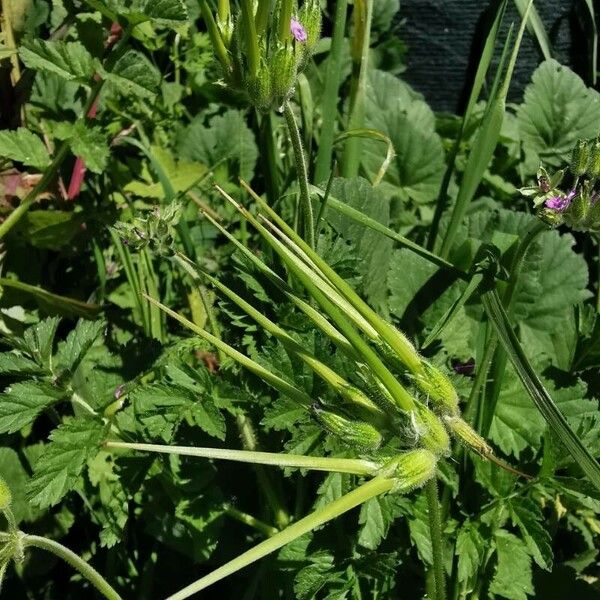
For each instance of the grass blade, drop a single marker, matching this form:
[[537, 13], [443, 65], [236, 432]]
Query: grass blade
[[483, 148], [330, 95], [536, 27], [535, 388]]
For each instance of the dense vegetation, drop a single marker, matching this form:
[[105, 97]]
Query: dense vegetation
[[259, 300]]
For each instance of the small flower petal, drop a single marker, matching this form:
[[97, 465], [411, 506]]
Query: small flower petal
[[298, 31]]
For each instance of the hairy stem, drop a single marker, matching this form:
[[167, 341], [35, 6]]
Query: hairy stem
[[435, 530], [75, 561], [317, 463], [302, 173]]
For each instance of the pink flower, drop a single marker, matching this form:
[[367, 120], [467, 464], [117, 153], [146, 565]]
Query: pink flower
[[561, 202], [298, 31]]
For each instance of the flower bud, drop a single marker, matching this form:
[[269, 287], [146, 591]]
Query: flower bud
[[580, 157], [283, 74], [468, 436], [310, 17], [438, 388], [593, 168], [578, 210], [410, 470], [543, 180], [355, 433], [5, 495], [431, 431]]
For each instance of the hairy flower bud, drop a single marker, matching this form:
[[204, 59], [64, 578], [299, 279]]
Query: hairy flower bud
[[431, 431], [355, 433], [580, 157], [593, 168], [283, 74], [410, 470]]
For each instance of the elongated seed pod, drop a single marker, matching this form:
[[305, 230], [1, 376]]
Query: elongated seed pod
[[355, 433], [431, 431]]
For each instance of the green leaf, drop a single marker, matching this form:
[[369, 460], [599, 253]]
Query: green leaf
[[58, 469], [513, 576], [16, 477], [398, 112], [558, 110], [373, 250], [53, 303], [72, 351], [21, 145], [88, 142], [376, 517], [529, 518], [69, 60], [21, 403], [518, 424], [12, 363], [553, 278], [470, 550], [166, 13], [134, 74], [161, 408], [49, 229], [226, 141], [38, 340]]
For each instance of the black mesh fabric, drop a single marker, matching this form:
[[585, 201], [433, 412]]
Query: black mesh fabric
[[445, 38]]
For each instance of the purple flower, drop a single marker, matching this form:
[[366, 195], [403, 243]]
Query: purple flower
[[561, 202], [119, 391], [298, 31]]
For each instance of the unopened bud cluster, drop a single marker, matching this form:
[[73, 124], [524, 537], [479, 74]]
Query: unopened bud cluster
[[574, 205], [156, 229], [264, 45]]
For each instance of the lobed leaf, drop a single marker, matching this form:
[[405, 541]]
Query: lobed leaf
[[58, 469], [22, 145]]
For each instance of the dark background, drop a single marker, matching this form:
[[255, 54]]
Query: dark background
[[444, 39]]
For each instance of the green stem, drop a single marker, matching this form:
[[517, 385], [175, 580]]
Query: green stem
[[249, 37], [251, 521], [75, 561], [266, 486], [274, 459], [331, 93], [435, 530], [302, 173], [363, 13], [215, 36], [375, 487]]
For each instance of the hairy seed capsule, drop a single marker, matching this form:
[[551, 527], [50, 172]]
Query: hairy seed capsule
[[438, 387], [355, 433], [431, 431], [580, 157], [593, 168], [468, 436], [410, 470]]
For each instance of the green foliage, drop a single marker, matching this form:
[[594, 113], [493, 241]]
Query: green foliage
[[23, 146], [89, 242], [69, 60], [134, 74], [58, 469], [558, 109]]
